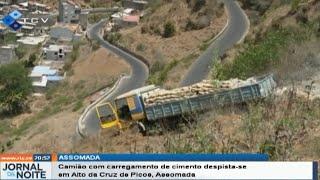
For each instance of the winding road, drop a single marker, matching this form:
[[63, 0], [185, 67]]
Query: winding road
[[90, 124], [238, 25], [235, 31]]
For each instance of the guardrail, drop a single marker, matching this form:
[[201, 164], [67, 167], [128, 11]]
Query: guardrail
[[141, 58]]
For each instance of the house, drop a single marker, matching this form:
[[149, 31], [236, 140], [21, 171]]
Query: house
[[84, 20], [43, 77], [35, 6], [69, 12], [64, 33], [56, 52], [7, 54], [33, 40], [3, 29], [119, 15], [3, 4], [135, 4], [129, 21]]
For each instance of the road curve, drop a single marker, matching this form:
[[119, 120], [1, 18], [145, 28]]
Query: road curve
[[236, 30], [139, 74]]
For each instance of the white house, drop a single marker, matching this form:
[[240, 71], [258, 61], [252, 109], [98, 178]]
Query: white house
[[56, 52]]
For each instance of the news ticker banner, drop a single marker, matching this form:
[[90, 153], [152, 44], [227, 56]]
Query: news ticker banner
[[152, 166]]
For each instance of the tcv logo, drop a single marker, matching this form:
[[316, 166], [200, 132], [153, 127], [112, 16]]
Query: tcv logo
[[15, 21], [11, 20]]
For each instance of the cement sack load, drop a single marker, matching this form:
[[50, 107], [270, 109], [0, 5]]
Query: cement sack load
[[161, 96]]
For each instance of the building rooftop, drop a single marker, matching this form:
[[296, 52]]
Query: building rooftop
[[42, 83], [57, 47], [131, 18], [32, 40], [128, 11], [140, 1], [39, 71], [55, 78]]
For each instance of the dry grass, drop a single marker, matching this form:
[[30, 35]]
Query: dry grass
[[184, 42]]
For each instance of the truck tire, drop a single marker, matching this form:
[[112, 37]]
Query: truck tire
[[138, 127], [142, 128]]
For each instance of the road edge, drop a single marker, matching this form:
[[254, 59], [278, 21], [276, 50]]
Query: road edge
[[92, 105], [223, 30], [248, 24]]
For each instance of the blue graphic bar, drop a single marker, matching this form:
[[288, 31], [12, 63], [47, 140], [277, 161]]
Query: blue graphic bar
[[162, 157], [315, 170]]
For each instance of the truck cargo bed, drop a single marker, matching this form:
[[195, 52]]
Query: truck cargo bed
[[262, 88]]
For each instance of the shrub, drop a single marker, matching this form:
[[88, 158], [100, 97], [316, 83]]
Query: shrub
[[190, 25], [95, 45], [31, 61], [113, 38], [141, 47], [159, 72], [21, 51], [198, 5], [169, 30], [144, 29]]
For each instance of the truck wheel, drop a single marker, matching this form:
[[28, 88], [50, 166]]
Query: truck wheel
[[138, 127], [142, 128]]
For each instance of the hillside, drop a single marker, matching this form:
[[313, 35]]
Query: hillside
[[194, 25], [82, 3], [285, 41]]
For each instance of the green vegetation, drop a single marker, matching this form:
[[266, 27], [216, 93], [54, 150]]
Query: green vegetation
[[9, 38], [78, 105], [201, 142], [31, 61], [21, 51], [141, 47], [295, 5], [94, 18], [113, 37], [15, 86], [154, 5], [276, 126], [198, 5], [95, 45], [169, 30], [259, 55], [159, 72]]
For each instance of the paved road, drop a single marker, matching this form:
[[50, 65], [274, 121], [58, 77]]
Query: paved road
[[236, 30], [139, 74]]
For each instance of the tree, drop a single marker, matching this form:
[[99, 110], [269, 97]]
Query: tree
[[169, 30], [31, 61], [15, 86]]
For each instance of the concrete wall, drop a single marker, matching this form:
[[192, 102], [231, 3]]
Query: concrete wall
[[55, 55], [133, 5], [6, 55], [70, 14]]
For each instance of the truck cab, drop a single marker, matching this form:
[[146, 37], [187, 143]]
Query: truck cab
[[126, 109]]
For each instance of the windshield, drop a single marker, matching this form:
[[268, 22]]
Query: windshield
[[106, 114]]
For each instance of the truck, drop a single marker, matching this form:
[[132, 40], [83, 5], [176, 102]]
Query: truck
[[151, 103]]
